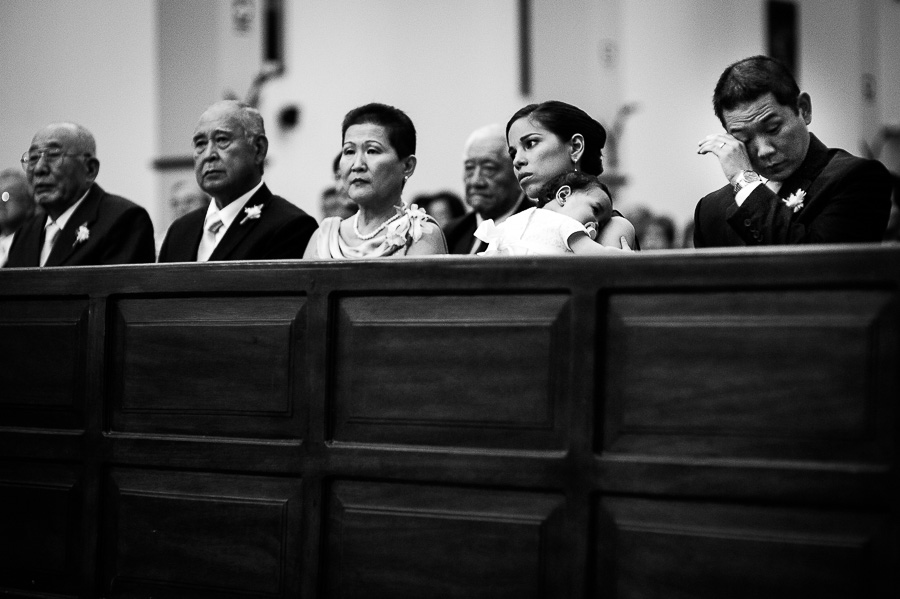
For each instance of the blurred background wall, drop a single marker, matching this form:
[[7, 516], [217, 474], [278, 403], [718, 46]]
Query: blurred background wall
[[138, 73]]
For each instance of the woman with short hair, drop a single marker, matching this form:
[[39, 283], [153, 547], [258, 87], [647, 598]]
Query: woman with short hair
[[377, 158]]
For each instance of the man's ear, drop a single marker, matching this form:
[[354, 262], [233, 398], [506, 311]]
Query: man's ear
[[804, 106], [261, 147], [92, 166], [576, 147]]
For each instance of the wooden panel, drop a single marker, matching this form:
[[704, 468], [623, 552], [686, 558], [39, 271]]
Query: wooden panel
[[40, 515], [395, 540], [214, 366], [486, 371], [803, 374], [43, 344], [671, 549], [217, 535]]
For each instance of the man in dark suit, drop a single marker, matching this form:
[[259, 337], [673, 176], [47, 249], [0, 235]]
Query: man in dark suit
[[83, 225], [244, 220], [784, 185], [492, 189]]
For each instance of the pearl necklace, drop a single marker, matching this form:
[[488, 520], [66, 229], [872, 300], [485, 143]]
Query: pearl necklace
[[376, 231]]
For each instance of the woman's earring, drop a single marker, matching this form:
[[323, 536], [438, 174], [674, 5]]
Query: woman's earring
[[562, 193]]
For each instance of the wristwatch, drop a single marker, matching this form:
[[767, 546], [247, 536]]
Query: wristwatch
[[745, 178]]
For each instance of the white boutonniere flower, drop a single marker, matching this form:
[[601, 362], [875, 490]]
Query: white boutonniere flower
[[252, 212], [795, 200], [82, 234], [408, 225]]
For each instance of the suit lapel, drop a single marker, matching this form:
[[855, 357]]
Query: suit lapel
[[85, 215], [816, 160], [238, 232]]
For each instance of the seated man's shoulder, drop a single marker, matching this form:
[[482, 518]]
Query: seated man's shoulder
[[117, 205], [459, 224], [283, 209], [843, 162]]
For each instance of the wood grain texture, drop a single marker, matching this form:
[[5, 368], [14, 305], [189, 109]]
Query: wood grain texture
[[43, 369], [177, 533], [688, 424], [416, 541], [227, 363], [493, 367]]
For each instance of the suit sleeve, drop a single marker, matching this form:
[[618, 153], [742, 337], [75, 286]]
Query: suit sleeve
[[130, 239], [851, 208], [290, 240]]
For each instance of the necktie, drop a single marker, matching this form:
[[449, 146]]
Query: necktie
[[208, 243], [51, 233]]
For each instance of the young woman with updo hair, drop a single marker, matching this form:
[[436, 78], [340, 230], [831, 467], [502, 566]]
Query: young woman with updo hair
[[549, 139]]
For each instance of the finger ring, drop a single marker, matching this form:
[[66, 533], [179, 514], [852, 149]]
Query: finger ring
[[722, 146]]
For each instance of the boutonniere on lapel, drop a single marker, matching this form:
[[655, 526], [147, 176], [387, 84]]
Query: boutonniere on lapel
[[252, 213], [795, 200], [82, 234]]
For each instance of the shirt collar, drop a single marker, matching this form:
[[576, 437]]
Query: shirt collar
[[231, 211], [65, 216]]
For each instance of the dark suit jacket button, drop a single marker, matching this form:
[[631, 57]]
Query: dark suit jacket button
[[747, 222]]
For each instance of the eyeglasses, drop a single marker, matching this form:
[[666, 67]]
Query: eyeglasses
[[53, 156]]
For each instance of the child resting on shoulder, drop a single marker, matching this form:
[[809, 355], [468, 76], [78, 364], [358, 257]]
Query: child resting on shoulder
[[572, 208]]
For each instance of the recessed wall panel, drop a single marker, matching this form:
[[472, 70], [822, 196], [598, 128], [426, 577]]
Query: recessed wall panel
[[749, 374], [484, 371], [44, 347], [654, 548], [40, 535], [404, 540], [171, 533], [214, 366]]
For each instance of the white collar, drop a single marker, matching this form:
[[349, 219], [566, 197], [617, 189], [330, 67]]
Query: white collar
[[231, 211], [65, 216]]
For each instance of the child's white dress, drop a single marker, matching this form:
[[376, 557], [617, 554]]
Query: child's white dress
[[532, 232]]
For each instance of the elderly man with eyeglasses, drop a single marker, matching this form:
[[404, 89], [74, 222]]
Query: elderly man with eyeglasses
[[83, 224]]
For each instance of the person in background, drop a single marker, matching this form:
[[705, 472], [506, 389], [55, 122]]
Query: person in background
[[83, 225], [443, 206], [552, 138], [492, 190], [377, 158], [244, 220], [336, 203], [16, 206], [659, 234], [784, 186], [186, 196]]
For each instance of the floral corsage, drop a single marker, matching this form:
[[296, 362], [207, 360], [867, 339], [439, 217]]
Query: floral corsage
[[252, 212], [795, 200], [82, 234], [408, 226]]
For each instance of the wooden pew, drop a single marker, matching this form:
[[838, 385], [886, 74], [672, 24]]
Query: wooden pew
[[682, 424]]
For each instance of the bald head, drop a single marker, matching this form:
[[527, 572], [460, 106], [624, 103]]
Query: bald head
[[64, 166], [18, 204], [78, 138], [491, 185], [489, 135]]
